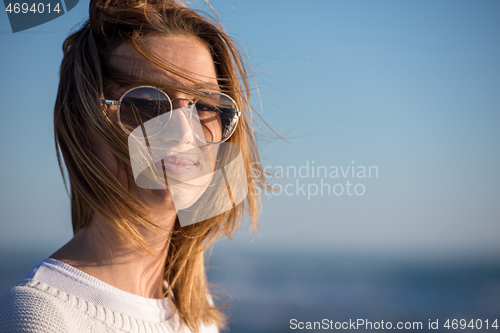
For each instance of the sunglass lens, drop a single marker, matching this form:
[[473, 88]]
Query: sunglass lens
[[217, 117], [141, 105]]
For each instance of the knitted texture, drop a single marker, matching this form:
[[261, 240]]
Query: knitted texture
[[34, 306]]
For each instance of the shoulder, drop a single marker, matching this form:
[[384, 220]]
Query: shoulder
[[31, 306], [34, 306]]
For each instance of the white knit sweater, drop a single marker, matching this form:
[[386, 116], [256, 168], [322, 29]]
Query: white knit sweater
[[57, 298]]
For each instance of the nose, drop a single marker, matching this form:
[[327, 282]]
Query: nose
[[178, 103], [178, 129]]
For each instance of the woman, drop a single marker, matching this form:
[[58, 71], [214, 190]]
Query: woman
[[154, 127]]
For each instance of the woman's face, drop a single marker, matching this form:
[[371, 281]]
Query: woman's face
[[175, 152]]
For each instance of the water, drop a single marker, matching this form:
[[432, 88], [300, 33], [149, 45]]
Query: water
[[274, 289], [270, 290]]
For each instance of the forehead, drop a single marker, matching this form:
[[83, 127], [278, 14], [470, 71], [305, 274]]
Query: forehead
[[186, 54]]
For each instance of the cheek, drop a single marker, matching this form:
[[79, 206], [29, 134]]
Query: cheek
[[213, 149], [212, 130], [110, 162]]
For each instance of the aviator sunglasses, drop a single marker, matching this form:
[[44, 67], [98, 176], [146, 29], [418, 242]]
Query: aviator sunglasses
[[212, 117]]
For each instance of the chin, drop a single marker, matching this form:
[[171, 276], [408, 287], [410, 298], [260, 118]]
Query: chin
[[155, 198], [183, 191]]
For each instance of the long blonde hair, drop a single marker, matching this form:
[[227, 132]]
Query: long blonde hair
[[80, 120]]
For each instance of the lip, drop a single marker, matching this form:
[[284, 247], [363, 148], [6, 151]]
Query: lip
[[176, 164]]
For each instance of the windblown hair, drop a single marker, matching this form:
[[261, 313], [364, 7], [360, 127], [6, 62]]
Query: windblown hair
[[81, 120]]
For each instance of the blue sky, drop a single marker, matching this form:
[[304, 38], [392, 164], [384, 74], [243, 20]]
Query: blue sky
[[409, 87]]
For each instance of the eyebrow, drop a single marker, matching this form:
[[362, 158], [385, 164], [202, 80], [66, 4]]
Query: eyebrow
[[199, 86], [196, 86]]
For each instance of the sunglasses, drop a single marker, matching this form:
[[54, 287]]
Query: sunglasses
[[213, 117]]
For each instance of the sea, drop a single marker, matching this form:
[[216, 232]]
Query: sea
[[280, 292]]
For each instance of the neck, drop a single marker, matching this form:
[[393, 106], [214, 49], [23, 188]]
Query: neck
[[100, 253]]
